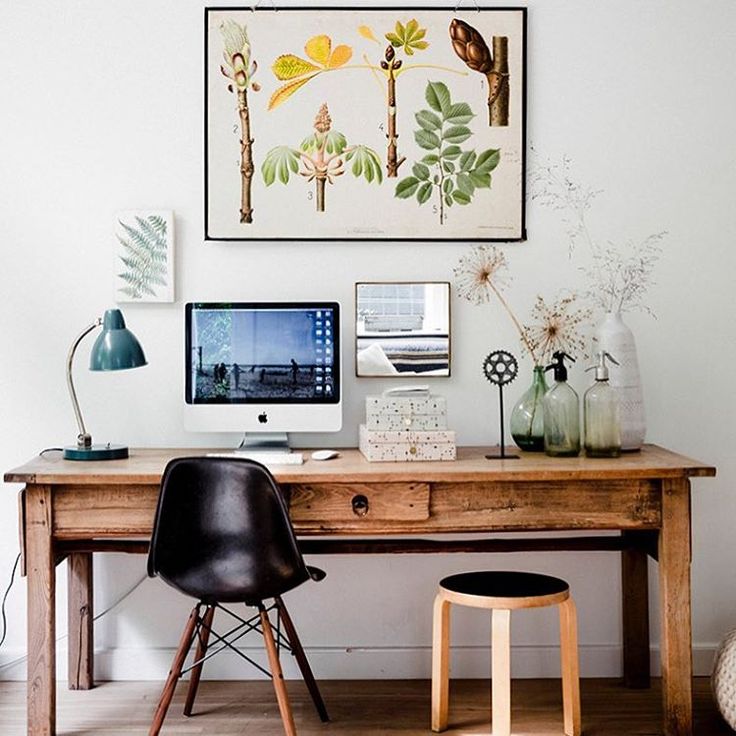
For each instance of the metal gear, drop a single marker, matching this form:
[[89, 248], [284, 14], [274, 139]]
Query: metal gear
[[500, 367]]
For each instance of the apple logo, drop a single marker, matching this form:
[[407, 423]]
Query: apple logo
[[263, 418]]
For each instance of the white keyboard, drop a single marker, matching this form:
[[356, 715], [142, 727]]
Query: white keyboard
[[265, 457]]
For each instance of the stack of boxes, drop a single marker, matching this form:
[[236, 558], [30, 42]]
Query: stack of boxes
[[406, 428]]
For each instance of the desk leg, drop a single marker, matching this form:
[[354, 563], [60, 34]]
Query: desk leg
[[674, 587], [80, 621], [635, 599], [41, 613]]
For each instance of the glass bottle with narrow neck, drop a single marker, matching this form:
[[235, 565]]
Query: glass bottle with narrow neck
[[561, 412], [601, 413]]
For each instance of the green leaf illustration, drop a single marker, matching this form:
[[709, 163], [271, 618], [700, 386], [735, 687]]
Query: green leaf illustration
[[406, 187], [428, 120], [455, 175], [280, 162], [438, 96], [457, 134], [366, 163], [487, 161], [424, 192], [467, 160], [481, 181], [335, 142], [144, 256], [465, 184], [426, 139], [421, 171], [459, 114]]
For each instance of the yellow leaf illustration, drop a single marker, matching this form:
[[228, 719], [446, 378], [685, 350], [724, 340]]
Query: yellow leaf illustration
[[288, 66], [367, 32], [318, 49], [283, 93], [341, 55]]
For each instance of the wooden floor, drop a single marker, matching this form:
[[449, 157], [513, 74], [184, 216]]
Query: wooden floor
[[357, 708]]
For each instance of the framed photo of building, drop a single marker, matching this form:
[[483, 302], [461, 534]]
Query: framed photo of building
[[365, 124]]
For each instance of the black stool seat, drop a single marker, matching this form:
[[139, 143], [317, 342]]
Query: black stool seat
[[504, 584]]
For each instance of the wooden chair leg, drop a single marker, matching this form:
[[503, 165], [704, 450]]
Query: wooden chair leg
[[440, 663], [175, 672], [202, 642], [302, 661], [279, 686], [570, 667], [501, 672]]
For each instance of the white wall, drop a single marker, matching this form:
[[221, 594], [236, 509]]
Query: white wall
[[102, 110]]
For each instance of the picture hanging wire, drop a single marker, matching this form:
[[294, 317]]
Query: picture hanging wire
[[255, 5], [459, 4]]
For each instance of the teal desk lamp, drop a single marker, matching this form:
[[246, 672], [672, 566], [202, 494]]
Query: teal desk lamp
[[115, 349]]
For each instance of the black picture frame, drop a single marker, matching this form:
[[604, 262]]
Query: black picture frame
[[221, 223]]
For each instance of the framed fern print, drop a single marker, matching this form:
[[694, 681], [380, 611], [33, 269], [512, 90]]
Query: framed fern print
[[144, 256], [394, 123]]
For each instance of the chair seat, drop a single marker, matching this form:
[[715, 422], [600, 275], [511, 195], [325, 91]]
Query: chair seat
[[505, 589]]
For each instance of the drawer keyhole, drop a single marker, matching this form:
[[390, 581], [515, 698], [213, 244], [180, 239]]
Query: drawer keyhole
[[360, 505]]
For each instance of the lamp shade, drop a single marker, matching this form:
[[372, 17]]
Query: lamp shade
[[116, 348]]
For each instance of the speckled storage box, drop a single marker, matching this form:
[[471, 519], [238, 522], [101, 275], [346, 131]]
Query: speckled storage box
[[405, 413], [406, 446]]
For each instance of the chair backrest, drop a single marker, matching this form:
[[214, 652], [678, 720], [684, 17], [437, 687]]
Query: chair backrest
[[222, 531]]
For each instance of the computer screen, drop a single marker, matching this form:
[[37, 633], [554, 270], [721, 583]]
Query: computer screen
[[263, 358]]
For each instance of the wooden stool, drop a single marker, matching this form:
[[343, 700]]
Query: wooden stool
[[502, 592]]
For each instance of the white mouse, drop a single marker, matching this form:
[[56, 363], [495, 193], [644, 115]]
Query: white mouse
[[325, 454]]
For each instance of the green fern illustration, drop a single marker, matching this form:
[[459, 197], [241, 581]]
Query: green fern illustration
[[144, 257]]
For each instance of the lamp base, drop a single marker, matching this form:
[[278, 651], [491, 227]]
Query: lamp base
[[96, 452]]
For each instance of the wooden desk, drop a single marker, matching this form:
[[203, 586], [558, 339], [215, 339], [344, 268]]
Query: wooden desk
[[70, 509]]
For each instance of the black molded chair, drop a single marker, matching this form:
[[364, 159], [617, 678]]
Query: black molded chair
[[222, 534]]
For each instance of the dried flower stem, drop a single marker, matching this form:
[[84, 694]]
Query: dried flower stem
[[520, 329]]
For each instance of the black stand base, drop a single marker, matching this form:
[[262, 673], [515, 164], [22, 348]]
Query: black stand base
[[501, 455]]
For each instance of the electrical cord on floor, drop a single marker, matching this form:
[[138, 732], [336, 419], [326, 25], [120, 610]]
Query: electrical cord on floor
[[5, 598], [51, 449], [125, 595]]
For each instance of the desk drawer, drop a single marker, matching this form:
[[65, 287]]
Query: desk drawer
[[337, 504]]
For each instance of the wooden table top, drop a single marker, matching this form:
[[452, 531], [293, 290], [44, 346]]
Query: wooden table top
[[145, 466]]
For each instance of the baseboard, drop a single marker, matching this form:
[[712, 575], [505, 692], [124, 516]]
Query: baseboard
[[358, 663]]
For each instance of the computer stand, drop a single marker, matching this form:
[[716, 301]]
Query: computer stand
[[265, 442]]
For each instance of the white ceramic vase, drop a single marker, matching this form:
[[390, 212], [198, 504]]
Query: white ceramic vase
[[614, 336]]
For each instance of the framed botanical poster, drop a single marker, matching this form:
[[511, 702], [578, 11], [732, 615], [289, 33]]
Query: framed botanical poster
[[389, 123]]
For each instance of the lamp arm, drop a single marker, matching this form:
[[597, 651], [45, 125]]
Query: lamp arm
[[83, 438]]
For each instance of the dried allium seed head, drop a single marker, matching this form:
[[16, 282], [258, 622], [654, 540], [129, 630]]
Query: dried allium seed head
[[557, 326], [323, 121]]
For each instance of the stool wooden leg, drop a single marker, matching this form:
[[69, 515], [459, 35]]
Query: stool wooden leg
[[570, 667], [501, 672], [440, 664]]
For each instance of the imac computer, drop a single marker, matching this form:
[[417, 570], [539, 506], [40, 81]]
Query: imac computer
[[263, 368]]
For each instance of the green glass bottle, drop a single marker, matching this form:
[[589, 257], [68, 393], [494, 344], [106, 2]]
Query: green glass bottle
[[527, 416]]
